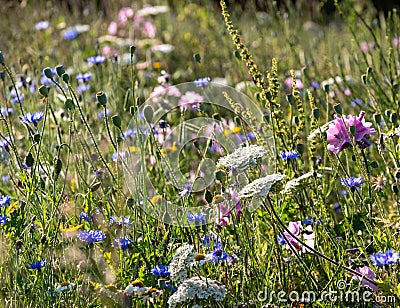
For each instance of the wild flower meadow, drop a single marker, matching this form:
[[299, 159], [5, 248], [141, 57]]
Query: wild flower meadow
[[154, 154]]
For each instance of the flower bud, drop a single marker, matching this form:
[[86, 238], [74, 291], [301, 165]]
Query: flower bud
[[326, 88], [2, 75], [364, 78], [132, 49], [60, 70], [47, 72], [43, 90], [1, 58], [316, 112], [65, 77], [393, 117], [101, 98], [377, 118], [338, 108]]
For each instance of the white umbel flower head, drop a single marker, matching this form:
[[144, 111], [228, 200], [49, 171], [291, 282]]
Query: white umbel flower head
[[197, 287], [183, 257], [292, 185], [260, 186], [242, 158]]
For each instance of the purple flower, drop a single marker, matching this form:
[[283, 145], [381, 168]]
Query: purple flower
[[352, 181], [310, 221], [190, 100], [289, 155], [306, 234], [3, 220], [315, 85], [186, 190], [96, 60], [91, 236], [5, 200], [70, 34], [38, 264], [217, 255], [84, 77], [4, 111], [196, 217], [338, 133], [32, 118], [14, 95], [42, 25], [118, 156], [202, 82], [387, 258], [4, 142], [365, 271], [122, 243], [119, 221], [212, 238], [336, 207], [83, 88], [160, 271], [103, 113]]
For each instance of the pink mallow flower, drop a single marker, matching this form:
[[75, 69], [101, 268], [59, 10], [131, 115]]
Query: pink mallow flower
[[338, 133], [366, 272], [300, 232]]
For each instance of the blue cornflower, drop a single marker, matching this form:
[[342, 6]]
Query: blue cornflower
[[122, 243], [38, 264], [336, 207], [14, 95], [186, 190], [4, 111], [281, 240], [160, 271], [387, 258], [119, 221], [128, 133], [212, 238], [32, 118], [356, 102], [91, 236], [84, 216], [96, 60], [84, 77], [3, 220], [83, 88], [217, 255], [103, 113], [4, 142], [118, 156], [288, 155], [311, 221], [42, 25], [5, 200], [251, 135], [202, 82], [352, 181], [70, 34], [196, 217], [5, 178], [315, 85]]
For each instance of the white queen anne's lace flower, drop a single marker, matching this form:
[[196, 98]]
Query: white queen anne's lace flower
[[183, 257], [260, 186], [197, 287], [292, 185], [242, 158]]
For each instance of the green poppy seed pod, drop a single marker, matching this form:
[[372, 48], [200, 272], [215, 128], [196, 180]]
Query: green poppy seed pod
[[397, 174], [388, 113], [116, 121], [216, 116], [161, 283], [148, 114], [132, 49], [69, 104], [326, 88], [369, 70], [268, 95], [43, 90], [377, 118], [197, 57], [364, 78], [1, 58], [2, 75], [47, 72], [101, 98], [316, 112], [60, 70], [352, 130], [393, 117], [395, 189], [237, 55], [130, 202], [65, 77], [338, 108]]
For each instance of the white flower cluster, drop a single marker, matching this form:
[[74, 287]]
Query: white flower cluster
[[260, 186], [242, 158], [197, 287], [136, 290], [183, 257], [292, 185]]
